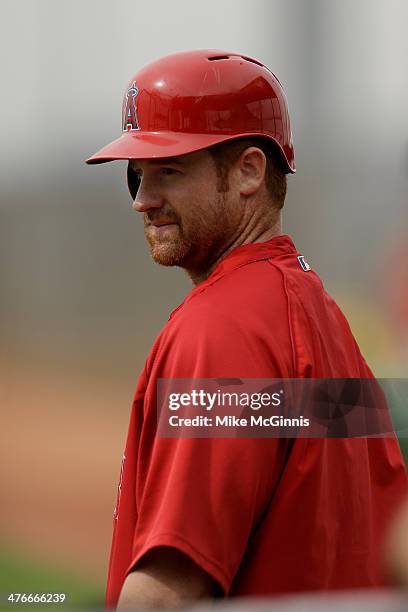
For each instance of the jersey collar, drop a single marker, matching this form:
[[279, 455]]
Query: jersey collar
[[241, 256], [248, 253]]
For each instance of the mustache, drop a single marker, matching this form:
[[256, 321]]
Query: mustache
[[160, 215]]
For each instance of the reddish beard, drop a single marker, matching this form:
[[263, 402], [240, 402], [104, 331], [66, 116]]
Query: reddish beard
[[193, 242]]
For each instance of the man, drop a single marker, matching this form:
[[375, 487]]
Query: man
[[208, 140]]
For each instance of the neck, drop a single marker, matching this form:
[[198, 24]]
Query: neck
[[249, 237]]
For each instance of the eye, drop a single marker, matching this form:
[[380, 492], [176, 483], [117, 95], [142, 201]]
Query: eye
[[168, 171]]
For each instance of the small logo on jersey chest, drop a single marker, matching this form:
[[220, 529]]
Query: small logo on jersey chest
[[303, 263], [129, 109]]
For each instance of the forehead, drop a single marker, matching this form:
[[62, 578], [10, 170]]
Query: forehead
[[187, 160]]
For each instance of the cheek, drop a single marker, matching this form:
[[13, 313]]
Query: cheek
[[206, 209], [200, 206]]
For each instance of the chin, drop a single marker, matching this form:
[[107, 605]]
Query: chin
[[167, 254]]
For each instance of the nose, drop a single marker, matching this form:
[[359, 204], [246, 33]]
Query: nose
[[146, 198], [144, 205]]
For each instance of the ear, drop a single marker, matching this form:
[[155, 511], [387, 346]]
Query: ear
[[251, 167]]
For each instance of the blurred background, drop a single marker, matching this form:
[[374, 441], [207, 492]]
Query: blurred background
[[81, 301]]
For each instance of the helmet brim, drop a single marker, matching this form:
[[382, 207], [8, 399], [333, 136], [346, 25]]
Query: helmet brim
[[155, 145]]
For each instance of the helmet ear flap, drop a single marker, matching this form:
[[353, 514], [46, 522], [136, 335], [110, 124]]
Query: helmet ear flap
[[133, 181]]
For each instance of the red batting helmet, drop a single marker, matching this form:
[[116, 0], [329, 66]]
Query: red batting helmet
[[191, 100]]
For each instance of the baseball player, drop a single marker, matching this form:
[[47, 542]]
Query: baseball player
[[208, 140]]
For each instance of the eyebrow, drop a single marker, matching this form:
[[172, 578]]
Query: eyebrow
[[163, 160]]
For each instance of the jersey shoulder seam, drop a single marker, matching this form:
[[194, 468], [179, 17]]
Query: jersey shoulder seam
[[288, 311]]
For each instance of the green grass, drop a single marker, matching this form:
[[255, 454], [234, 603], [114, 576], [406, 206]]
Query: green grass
[[403, 442], [23, 576]]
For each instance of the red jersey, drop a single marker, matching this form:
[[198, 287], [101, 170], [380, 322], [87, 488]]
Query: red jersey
[[262, 516]]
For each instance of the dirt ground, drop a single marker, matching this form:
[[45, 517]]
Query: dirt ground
[[61, 443]]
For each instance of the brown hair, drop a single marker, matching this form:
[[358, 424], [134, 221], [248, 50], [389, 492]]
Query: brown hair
[[226, 153]]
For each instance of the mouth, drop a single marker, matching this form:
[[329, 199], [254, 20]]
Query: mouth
[[161, 228], [162, 223]]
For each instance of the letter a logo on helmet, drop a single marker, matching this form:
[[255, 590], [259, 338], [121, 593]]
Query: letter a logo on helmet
[[192, 100], [129, 109]]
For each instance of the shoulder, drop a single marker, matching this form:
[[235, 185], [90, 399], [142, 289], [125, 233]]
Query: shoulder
[[237, 326], [251, 293]]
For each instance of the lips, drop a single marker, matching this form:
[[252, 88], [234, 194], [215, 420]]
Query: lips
[[161, 223]]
